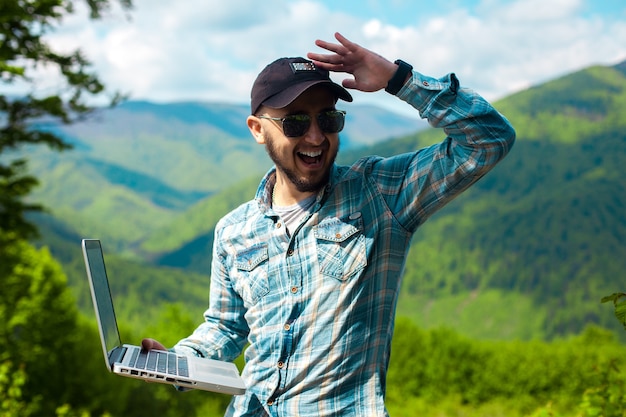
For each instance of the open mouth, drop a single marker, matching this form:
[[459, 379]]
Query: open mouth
[[311, 158]]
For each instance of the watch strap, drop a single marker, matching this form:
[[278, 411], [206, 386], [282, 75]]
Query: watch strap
[[397, 81]]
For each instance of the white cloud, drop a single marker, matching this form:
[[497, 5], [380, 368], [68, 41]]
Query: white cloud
[[204, 50], [533, 11], [509, 47]]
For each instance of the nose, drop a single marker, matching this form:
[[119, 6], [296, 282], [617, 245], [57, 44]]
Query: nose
[[314, 135]]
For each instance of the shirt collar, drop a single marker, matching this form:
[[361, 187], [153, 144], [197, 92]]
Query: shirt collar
[[264, 192]]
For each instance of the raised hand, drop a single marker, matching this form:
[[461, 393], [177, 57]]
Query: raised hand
[[371, 71]]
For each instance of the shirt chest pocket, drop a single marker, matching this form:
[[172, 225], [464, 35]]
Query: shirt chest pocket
[[341, 251], [251, 278]]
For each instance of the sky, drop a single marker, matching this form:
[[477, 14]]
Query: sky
[[202, 50]]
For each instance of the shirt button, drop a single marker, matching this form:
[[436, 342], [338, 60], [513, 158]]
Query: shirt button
[[290, 252], [281, 364], [338, 235], [425, 83], [279, 225], [287, 327], [270, 402], [294, 290]]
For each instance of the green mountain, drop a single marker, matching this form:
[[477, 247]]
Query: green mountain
[[533, 247], [526, 253], [135, 167]]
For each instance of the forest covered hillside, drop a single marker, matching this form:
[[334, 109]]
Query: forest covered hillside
[[527, 253], [135, 167]]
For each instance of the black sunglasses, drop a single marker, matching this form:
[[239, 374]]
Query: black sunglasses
[[297, 125]]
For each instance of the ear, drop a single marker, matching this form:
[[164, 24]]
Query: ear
[[254, 124]]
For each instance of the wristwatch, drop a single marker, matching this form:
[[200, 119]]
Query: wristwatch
[[397, 81]]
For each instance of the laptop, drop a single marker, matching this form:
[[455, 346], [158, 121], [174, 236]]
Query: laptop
[[154, 365]]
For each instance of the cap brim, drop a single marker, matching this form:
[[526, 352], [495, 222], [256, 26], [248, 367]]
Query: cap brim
[[285, 97]]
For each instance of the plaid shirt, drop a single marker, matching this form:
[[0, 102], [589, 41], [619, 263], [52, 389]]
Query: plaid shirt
[[317, 307]]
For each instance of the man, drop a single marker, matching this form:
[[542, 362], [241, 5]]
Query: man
[[308, 273]]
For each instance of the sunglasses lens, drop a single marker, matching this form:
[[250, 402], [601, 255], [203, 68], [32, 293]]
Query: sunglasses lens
[[331, 121], [296, 125]]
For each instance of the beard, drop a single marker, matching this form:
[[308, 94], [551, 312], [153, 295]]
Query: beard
[[302, 183]]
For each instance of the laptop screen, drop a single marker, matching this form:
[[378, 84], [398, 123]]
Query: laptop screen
[[101, 294]]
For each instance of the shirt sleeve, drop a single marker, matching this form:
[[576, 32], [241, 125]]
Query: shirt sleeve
[[416, 185], [224, 332]]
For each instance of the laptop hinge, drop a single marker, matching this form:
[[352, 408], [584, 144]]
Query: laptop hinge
[[116, 355]]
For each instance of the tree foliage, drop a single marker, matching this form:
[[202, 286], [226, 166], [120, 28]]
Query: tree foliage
[[50, 356], [437, 369], [619, 301], [36, 307], [432, 372], [11, 382], [23, 50]]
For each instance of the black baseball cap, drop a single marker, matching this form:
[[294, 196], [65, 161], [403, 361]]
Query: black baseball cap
[[282, 81]]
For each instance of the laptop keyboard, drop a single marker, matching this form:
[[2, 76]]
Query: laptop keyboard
[[160, 361]]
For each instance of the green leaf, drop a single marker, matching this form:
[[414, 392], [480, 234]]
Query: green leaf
[[620, 312], [613, 297], [11, 69]]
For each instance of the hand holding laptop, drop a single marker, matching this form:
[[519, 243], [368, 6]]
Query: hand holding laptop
[[150, 362]]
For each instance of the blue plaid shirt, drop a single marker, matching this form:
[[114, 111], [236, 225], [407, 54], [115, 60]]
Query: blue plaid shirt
[[317, 306]]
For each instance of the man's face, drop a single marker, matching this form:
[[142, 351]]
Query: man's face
[[304, 161]]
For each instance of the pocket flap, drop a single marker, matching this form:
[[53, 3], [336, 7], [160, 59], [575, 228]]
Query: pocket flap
[[335, 230], [250, 258]]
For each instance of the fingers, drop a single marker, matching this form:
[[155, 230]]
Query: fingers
[[326, 61], [349, 45], [340, 49], [146, 344], [332, 47], [341, 56], [371, 71], [350, 83], [150, 344]]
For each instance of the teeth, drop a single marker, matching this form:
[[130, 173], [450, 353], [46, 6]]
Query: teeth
[[312, 154]]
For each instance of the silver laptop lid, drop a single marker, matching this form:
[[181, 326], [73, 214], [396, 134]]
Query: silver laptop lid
[[101, 296]]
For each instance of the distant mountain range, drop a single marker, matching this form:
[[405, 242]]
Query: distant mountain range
[[526, 253], [137, 166]]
